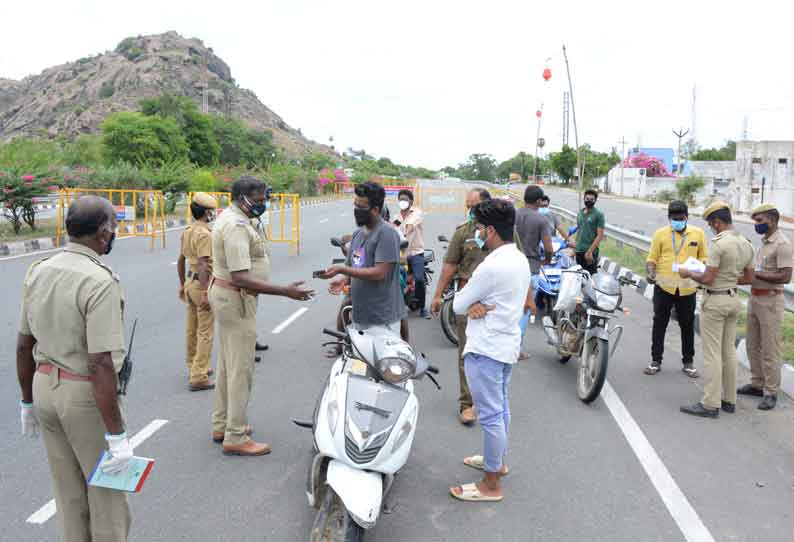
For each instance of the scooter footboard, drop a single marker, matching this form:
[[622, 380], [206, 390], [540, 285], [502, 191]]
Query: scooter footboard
[[361, 491]]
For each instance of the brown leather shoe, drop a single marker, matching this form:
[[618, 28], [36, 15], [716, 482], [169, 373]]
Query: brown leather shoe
[[250, 448], [208, 385], [218, 436], [467, 416]]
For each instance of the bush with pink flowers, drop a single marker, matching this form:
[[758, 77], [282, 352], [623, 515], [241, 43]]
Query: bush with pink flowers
[[652, 165]]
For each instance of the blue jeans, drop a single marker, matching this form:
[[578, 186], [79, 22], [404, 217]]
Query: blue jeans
[[416, 265], [488, 380]]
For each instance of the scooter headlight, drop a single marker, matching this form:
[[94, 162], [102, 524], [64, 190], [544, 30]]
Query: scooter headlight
[[396, 370], [333, 410]]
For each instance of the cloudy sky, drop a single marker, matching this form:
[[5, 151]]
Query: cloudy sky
[[430, 82]]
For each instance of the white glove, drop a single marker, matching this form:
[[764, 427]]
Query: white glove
[[120, 454], [30, 423]]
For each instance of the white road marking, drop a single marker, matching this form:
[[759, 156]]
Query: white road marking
[[48, 510], [173, 263], [674, 499], [323, 221], [295, 315]]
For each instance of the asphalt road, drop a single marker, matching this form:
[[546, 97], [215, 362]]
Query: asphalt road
[[578, 472]]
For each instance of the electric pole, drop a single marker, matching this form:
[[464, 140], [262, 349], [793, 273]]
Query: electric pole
[[537, 141], [680, 134], [622, 160], [575, 128]]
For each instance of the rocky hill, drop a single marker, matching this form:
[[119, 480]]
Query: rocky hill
[[75, 97]]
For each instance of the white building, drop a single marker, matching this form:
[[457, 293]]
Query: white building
[[764, 174]]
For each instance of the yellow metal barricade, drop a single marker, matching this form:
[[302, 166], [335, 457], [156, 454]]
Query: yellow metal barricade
[[283, 217], [344, 189], [139, 213]]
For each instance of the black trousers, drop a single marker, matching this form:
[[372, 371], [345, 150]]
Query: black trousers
[[591, 268], [663, 303]]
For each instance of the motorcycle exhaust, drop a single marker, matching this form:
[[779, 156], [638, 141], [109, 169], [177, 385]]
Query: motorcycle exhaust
[[551, 331]]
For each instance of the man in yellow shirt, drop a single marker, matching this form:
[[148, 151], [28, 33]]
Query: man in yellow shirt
[[672, 246]]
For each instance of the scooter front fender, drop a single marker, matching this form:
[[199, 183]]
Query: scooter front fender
[[361, 491]]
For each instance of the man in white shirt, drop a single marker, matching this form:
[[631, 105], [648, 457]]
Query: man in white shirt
[[494, 299]]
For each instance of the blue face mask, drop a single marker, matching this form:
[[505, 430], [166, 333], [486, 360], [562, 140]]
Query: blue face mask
[[544, 210], [480, 242], [678, 225], [256, 209], [471, 216], [761, 229]]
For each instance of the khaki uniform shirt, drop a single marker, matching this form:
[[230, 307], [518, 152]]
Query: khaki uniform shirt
[[773, 255], [238, 246], [197, 243], [464, 252], [73, 305], [731, 254]]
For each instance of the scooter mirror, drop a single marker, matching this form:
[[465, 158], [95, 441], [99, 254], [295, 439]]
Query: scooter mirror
[[443, 239], [336, 241]]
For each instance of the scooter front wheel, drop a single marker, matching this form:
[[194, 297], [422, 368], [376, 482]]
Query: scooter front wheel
[[333, 523]]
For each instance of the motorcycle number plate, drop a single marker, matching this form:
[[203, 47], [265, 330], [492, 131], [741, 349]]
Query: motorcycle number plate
[[602, 314]]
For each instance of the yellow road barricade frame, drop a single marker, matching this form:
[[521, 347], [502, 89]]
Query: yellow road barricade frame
[[128, 205], [282, 207]]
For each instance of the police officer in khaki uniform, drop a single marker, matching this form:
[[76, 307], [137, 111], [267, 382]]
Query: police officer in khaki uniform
[[729, 261], [70, 349], [194, 285], [773, 263], [241, 271], [462, 257]]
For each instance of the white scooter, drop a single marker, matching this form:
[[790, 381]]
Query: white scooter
[[363, 424]]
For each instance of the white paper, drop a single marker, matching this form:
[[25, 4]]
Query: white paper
[[693, 264]]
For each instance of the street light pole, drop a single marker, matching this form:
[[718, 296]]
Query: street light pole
[[575, 128], [622, 160]]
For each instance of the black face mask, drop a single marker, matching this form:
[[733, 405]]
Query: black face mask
[[589, 204], [363, 217], [110, 243]]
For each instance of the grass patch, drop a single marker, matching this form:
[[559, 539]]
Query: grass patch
[[44, 228]]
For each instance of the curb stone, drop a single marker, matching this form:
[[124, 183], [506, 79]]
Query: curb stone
[[15, 248], [646, 290]]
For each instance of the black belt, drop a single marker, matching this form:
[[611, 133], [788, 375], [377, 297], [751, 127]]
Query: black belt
[[732, 291]]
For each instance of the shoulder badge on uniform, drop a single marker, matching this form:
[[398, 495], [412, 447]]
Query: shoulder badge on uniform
[[242, 222]]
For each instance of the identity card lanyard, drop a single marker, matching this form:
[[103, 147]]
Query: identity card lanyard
[[676, 251]]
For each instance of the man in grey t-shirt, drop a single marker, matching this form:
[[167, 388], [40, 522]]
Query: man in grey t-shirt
[[372, 268], [533, 228]]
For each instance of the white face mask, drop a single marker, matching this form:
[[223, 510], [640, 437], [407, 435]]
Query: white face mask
[[404, 204]]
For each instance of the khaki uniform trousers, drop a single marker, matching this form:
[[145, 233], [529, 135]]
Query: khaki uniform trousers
[[74, 437], [199, 334], [236, 316], [764, 321], [718, 316], [465, 394]]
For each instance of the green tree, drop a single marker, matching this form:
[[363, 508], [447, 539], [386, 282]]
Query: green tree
[[563, 163], [726, 153], [140, 139], [196, 127], [241, 146], [687, 187]]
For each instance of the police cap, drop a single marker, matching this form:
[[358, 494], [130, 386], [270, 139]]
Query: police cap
[[716, 206], [205, 200], [764, 208]]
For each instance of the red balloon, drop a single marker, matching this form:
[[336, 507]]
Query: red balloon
[[538, 113], [547, 74]]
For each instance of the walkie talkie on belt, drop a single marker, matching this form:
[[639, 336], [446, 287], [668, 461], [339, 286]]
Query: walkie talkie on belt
[[126, 368]]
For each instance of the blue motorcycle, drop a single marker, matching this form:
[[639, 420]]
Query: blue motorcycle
[[547, 283]]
